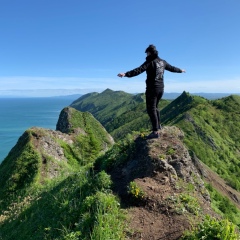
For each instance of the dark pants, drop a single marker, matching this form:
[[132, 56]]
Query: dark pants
[[152, 99]]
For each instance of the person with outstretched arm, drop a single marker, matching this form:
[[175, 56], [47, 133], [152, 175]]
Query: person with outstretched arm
[[154, 67]]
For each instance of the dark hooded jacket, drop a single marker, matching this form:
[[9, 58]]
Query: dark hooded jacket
[[154, 67]]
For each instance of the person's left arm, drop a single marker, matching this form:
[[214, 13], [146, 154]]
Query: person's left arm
[[171, 68]]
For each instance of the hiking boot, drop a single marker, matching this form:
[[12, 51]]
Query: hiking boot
[[153, 135]]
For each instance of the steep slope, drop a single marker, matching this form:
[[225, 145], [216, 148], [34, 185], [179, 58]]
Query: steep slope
[[119, 112], [45, 179], [106, 105], [159, 186], [229, 108], [212, 131], [73, 121], [219, 184], [211, 127], [36, 156], [41, 154]]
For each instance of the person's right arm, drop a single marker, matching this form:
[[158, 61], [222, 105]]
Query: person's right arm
[[171, 68]]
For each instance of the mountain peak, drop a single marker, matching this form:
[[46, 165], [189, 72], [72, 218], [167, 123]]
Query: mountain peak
[[108, 90]]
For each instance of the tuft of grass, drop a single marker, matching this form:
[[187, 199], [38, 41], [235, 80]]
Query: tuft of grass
[[170, 151], [135, 191], [212, 228], [103, 215], [184, 203]]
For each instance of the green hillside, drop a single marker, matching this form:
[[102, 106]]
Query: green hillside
[[211, 130], [107, 105], [52, 152], [47, 186], [119, 112], [77, 183], [211, 127]]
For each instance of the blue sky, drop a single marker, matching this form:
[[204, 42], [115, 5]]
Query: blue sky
[[82, 45]]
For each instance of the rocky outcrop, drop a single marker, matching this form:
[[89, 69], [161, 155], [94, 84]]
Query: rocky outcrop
[[74, 122], [166, 156], [42, 154], [48, 143], [166, 173], [63, 124]]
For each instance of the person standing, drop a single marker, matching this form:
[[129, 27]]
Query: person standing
[[154, 67]]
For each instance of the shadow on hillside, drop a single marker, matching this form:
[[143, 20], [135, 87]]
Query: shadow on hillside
[[47, 214]]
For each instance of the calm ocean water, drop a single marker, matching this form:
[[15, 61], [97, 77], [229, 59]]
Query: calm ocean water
[[19, 114]]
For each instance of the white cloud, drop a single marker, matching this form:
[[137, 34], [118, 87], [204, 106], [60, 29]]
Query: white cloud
[[31, 83], [131, 85]]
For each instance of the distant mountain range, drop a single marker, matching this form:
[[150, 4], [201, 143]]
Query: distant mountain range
[[70, 92]]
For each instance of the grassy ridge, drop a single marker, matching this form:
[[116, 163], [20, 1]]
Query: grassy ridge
[[108, 105], [119, 112], [20, 167], [78, 203], [211, 127], [75, 203], [212, 131]]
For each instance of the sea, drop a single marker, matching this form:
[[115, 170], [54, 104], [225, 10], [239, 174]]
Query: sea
[[19, 114]]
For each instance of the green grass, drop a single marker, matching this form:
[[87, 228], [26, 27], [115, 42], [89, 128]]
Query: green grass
[[36, 206], [211, 131], [223, 206], [20, 168], [117, 155], [80, 205], [212, 228]]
